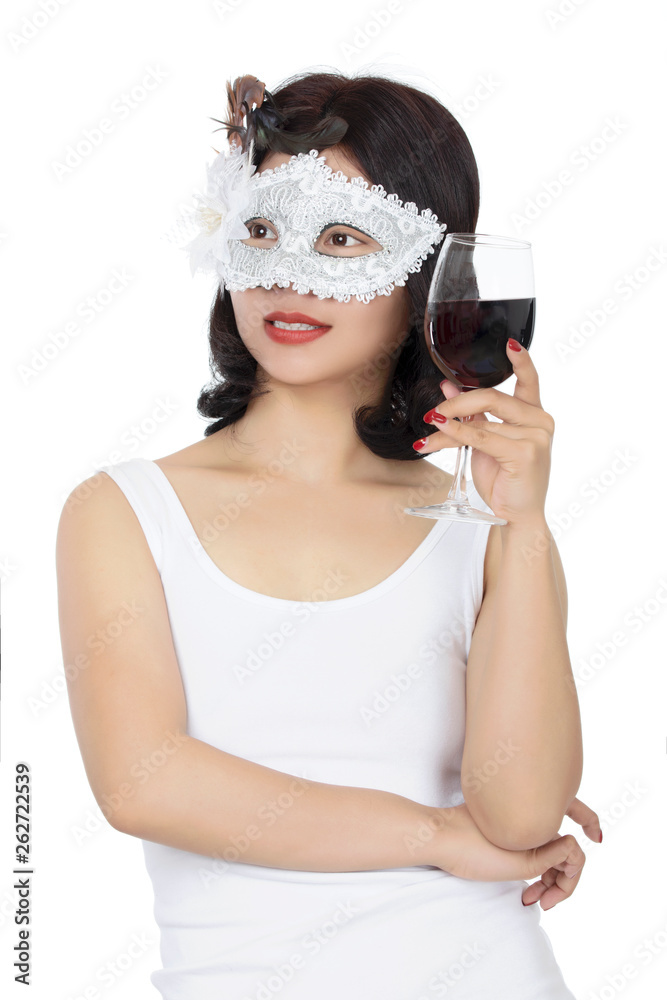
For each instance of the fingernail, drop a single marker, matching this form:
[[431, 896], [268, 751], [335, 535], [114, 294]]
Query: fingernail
[[514, 344], [419, 444], [600, 840], [444, 383], [433, 415]]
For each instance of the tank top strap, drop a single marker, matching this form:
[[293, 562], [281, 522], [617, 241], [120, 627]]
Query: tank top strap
[[146, 499]]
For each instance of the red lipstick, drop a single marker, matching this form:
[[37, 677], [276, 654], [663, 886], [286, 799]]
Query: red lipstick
[[294, 336]]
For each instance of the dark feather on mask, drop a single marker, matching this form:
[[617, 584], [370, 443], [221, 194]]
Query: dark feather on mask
[[265, 128]]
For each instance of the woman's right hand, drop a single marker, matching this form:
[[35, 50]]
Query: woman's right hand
[[462, 850]]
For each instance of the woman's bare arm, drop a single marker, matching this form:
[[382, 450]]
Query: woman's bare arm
[[522, 758], [128, 706]]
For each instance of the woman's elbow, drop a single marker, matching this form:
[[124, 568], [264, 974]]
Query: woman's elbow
[[517, 835], [121, 808], [516, 832]]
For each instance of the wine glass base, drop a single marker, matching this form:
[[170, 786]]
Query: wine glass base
[[456, 510]]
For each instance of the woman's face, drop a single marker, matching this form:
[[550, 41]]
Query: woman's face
[[364, 339]]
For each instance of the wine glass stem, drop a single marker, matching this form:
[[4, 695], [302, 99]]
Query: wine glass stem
[[457, 490]]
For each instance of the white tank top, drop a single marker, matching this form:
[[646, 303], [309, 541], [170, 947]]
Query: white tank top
[[367, 691]]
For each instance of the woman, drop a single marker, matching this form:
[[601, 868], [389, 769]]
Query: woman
[[346, 736]]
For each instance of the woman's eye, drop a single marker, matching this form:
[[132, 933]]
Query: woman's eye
[[258, 230], [339, 238]]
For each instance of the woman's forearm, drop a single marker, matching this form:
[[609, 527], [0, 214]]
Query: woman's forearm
[[527, 700], [214, 803]]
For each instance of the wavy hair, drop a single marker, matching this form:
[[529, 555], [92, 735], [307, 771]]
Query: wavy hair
[[410, 143]]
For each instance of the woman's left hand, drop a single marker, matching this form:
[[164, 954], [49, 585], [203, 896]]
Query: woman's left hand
[[546, 888], [510, 461]]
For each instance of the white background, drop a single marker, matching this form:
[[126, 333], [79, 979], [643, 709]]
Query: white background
[[534, 90]]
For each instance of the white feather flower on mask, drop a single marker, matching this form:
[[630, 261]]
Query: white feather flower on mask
[[219, 213]]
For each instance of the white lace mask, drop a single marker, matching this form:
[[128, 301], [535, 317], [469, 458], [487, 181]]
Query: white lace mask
[[306, 205]]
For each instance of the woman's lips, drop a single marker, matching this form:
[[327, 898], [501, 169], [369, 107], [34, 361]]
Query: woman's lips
[[294, 317], [293, 336]]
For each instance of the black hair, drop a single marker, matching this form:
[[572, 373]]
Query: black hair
[[405, 140]]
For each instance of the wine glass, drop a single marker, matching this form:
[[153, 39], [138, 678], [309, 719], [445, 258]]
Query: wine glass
[[482, 292]]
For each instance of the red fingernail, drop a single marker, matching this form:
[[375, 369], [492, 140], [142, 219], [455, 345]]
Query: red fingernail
[[514, 344], [600, 840], [434, 415], [419, 444]]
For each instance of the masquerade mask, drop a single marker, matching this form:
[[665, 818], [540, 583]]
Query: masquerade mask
[[303, 225]]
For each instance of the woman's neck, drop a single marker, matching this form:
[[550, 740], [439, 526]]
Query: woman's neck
[[308, 433]]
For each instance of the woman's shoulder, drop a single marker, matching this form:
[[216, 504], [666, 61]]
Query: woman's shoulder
[[220, 451]]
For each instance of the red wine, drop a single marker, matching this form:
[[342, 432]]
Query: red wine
[[468, 337]]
